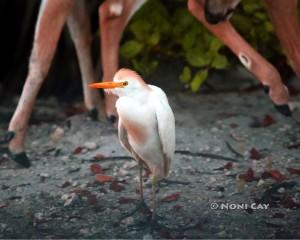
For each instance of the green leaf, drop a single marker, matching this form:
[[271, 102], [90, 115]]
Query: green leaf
[[141, 29], [154, 39], [197, 57], [215, 45], [188, 40], [261, 16], [131, 49], [219, 62], [186, 75], [251, 7], [145, 67], [199, 79]]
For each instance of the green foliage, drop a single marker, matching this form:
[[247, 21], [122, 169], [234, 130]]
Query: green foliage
[[157, 31]]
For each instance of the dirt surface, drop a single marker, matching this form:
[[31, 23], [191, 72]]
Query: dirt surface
[[61, 195]]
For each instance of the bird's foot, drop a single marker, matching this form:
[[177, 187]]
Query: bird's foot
[[141, 207], [156, 225], [167, 182], [20, 158]]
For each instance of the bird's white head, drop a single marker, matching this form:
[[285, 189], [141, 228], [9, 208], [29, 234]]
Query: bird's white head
[[125, 83]]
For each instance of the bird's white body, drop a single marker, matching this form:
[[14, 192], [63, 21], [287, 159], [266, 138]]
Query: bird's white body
[[150, 128], [146, 123], [146, 126]]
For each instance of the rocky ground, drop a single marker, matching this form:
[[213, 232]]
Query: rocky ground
[[232, 148]]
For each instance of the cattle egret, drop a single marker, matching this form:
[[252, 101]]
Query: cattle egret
[[146, 125]]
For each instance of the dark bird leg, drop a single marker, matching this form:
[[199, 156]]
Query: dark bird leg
[[141, 205], [155, 225]]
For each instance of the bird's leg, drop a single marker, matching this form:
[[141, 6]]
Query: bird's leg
[[141, 180], [155, 225], [154, 188], [141, 205]]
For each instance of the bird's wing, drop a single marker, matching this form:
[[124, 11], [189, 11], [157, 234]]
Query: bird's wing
[[123, 136], [165, 124]]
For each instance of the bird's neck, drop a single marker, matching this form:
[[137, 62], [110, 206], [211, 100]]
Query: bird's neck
[[140, 96]]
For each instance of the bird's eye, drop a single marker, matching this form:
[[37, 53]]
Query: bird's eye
[[125, 83]]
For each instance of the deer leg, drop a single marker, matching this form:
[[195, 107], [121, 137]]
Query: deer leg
[[252, 60], [79, 26], [284, 17], [52, 16], [113, 18]]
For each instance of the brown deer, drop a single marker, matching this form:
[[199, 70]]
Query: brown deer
[[113, 18]]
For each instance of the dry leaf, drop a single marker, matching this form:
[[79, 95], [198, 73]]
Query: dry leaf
[[248, 176], [116, 187], [268, 121], [171, 198], [99, 157], [255, 154], [124, 200], [289, 202], [103, 178], [77, 150], [96, 168], [277, 175], [294, 170]]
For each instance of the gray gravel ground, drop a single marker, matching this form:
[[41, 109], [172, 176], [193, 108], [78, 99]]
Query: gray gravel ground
[[60, 197]]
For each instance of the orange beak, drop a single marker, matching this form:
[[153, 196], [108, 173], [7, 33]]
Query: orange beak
[[107, 85]]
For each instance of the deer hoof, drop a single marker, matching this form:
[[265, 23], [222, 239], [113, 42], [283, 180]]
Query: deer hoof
[[93, 114], [284, 109], [112, 119], [21, 159]]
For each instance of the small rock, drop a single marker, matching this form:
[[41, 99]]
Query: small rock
[[220, 194], [260, 182], [84, 232], [90, 145], [69, 199], [74, 169], [75, 184], [147, 236], [65, 158], [212, 179], [123, 172], [44, 175], [214, 130], [38, 216], [128, 221], [129, 165], [222, 234], [57, 134], [3, 226]]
